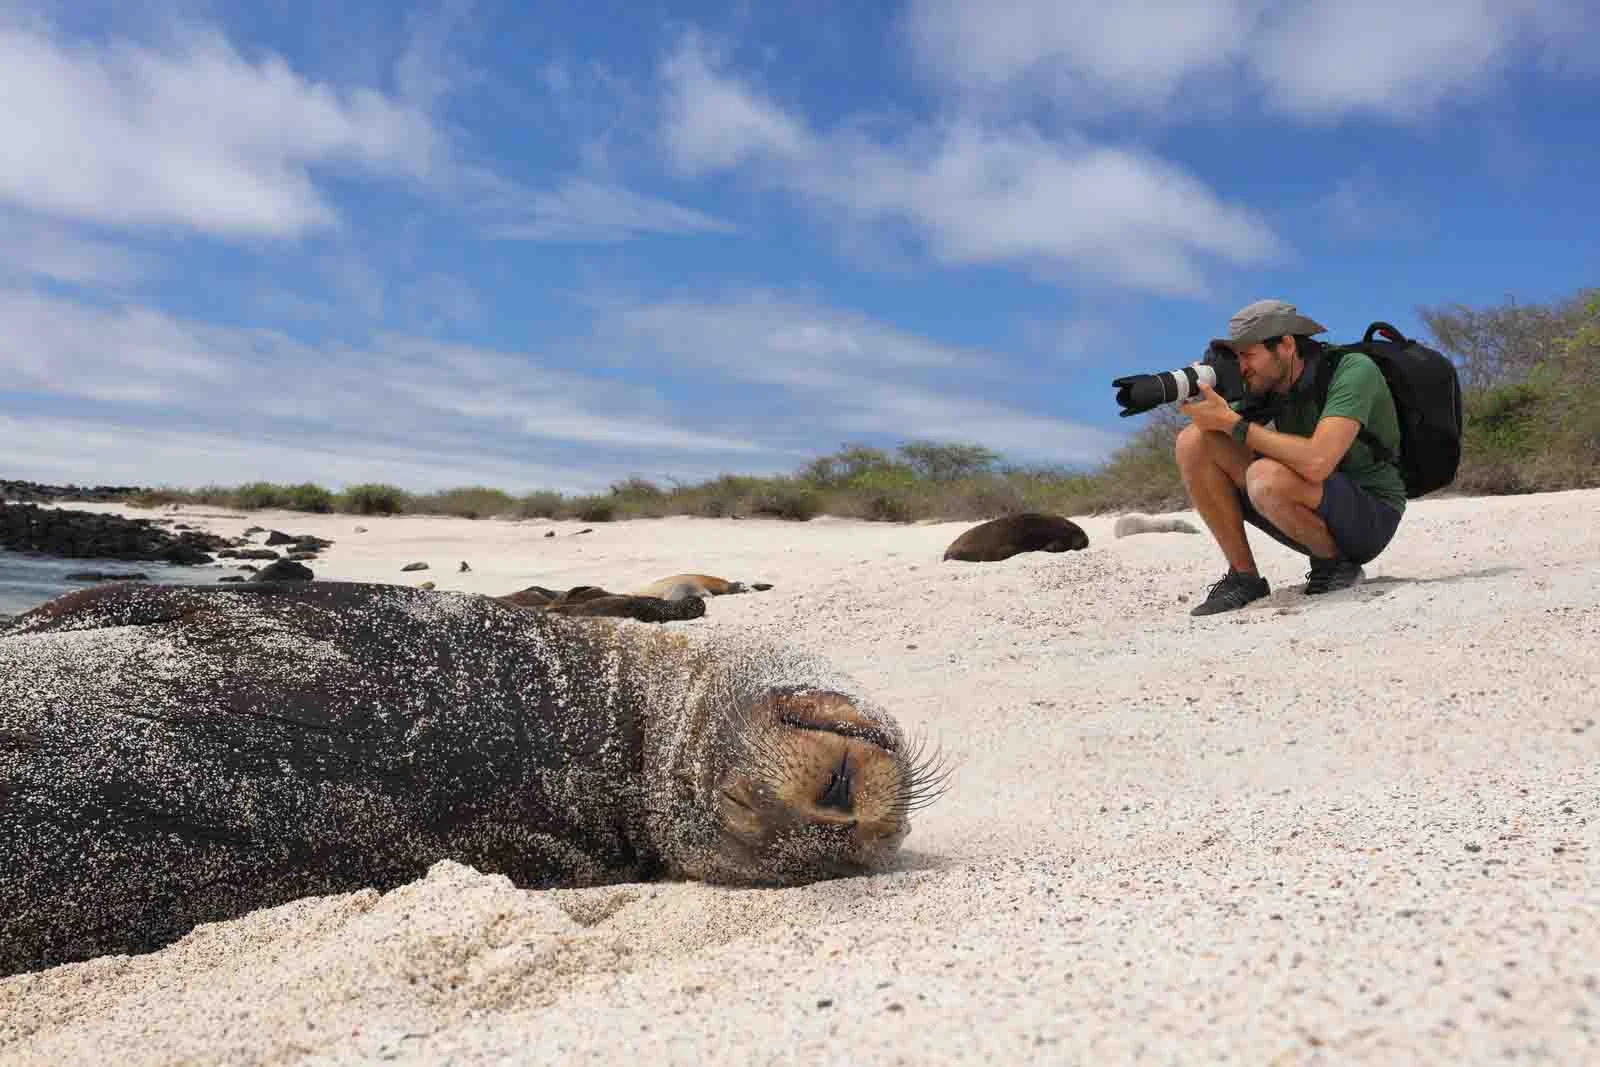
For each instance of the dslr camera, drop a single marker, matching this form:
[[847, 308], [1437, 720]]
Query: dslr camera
[[1218, 368]]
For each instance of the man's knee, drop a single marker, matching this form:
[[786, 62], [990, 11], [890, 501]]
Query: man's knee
[[1266, 481], [1193, 447]]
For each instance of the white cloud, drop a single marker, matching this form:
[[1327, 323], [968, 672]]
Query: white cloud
[[1079, 51], [113, 354], [714, 122], [837, 374], [977, 193], [37, 248], [582, 209], [1359, 208], [762, 337], [1310, 59], [431, 406], [188, 134], [127, 452]]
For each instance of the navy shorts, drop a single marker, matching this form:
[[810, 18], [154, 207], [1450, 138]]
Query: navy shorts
[[1360, 523]]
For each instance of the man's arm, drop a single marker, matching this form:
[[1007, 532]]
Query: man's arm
[[1313, 458]]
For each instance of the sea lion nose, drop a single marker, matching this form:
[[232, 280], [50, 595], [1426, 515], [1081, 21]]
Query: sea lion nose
[[837, 794]]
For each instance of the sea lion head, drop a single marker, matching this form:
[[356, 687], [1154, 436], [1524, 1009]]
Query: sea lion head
[[794, 777]]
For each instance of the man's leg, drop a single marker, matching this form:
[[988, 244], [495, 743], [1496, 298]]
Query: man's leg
[[1213, 467], [1290, 503]]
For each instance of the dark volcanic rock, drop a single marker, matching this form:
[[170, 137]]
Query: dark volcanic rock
[[254, 553], [73, 534], [278, 537], [415, 567], [104, 576], [33, 492], [285, 570]]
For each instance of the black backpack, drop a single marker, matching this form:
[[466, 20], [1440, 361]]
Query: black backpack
[[1427, 399]]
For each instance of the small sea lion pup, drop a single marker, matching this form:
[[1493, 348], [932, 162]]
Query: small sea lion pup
[[173, 755], [1027, 531]]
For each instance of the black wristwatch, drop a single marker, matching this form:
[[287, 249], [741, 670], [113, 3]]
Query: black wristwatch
[[1241, 430]]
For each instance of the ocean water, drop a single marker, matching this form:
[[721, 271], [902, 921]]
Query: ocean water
[[28, 580]]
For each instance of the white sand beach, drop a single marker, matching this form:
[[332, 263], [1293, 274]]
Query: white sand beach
[[1357, 828]]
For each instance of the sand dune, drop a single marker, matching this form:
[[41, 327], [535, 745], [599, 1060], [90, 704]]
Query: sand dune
[[1360, 828]]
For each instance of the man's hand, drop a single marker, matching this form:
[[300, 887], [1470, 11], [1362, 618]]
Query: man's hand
[[1209, 411]]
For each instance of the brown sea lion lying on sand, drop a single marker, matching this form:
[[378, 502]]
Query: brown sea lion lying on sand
[[175, 755], [593, 601], [678, 586], [1028, 531]]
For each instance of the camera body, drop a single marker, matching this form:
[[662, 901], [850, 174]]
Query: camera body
[[1218, 368]]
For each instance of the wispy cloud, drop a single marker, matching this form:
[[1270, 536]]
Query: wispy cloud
[[975, 192], [582, 209], [401, 398], [1359, 208], [188, 133], [830, 373], [1392, 60], [36, 248], [130, 452]]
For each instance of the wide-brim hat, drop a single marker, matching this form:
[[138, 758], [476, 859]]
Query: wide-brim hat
[[1266, 319]]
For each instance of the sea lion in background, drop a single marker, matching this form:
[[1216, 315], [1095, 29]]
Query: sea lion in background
[[173, 755], [678, 586], [591, 600], [1027, 531], [1128, 525]]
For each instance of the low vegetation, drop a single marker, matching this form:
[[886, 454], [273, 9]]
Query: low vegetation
[[1532, 425]]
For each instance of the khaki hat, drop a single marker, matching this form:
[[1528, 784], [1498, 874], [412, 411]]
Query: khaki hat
[[1263, 319]]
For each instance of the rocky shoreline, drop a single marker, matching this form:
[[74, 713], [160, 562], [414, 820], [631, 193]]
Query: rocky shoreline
[[72, 534], [39, 493]]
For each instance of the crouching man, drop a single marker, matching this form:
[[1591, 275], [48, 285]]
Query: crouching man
[[1308, 481]]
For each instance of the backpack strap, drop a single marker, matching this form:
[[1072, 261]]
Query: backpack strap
[[1329, 363]]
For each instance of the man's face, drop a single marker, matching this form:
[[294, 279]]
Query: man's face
[[1267, 369]]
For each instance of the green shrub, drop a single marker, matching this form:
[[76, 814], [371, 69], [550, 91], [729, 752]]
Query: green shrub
[[307, 497], [783, 500], [466, 502], [257, 496], [639, 498], [946, 462], [372, 498], [539, 505], [594, 509]]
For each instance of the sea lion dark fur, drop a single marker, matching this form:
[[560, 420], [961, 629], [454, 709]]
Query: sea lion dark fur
[[591, 600], [173, 755], [1027, 531]]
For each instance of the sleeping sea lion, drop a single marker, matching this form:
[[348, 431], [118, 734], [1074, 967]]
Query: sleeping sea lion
[[1027, 531], [678, 586], [591, 600], [173, 755], [1129, 525]]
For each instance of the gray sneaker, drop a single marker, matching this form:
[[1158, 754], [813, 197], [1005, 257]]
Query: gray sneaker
[[1331, 575], [1234, 591]]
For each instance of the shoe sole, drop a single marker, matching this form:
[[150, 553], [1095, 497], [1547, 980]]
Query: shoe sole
[[1360, 577]]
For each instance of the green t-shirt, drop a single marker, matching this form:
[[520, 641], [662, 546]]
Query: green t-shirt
[[1358, 391]]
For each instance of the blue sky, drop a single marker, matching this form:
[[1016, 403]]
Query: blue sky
[[558, 245]]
